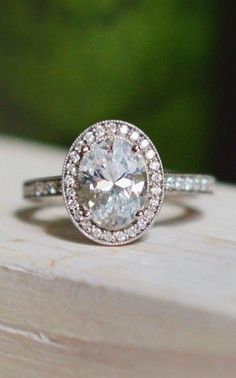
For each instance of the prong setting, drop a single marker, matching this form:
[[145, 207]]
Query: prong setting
[[136, 148], [139, 214], [85, 149], [87, 214]]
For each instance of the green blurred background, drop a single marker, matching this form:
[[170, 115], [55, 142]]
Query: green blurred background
[[66, 64]]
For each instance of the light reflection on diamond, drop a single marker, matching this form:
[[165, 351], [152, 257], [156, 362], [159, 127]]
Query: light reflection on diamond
[[113, 183]]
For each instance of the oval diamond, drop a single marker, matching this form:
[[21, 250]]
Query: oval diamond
[[112, 181]]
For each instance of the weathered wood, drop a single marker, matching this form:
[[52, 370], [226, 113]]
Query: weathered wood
[[157, 308]]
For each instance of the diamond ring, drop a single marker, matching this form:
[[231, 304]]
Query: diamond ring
[[113, 183]]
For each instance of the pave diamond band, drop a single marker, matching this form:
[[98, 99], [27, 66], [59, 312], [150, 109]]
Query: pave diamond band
[[42, 187], [113, 183], [189, 183], [173, 182]]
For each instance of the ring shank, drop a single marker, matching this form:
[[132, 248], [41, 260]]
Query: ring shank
[[174, 182]]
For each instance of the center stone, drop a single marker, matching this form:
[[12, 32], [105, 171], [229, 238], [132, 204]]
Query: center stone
[[112, 182]]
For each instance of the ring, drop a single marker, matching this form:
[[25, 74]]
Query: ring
[[113, 183]]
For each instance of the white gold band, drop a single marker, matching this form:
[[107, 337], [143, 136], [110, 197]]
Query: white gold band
[[174, 182]]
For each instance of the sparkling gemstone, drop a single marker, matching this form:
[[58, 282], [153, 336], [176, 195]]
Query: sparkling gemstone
[[204, 184], [170, 183], [132, 231], [120, 236], [155, 165], [156, 191], [141, 224], [89, 137], [134, 135], [86, 226], [78, 215], [78, 146], [156, 177], [179, 183], [39, 189], [69, 180], [112, 127], [52, 189], [108, 236], [74, 156], [148, 214], [96, 232], [100, 131], [72, 204], [112, 183], [197, 183], [124, 130], [150, 154], [189, 184], [154, 203], [144, 144], [71, 169], [70, 192]]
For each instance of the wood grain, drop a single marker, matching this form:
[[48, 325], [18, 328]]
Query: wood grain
[[164, 306]]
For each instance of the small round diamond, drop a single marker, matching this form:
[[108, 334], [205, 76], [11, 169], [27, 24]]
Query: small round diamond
[[73, 204], [204, 184], [87, 226], [153, 204], [69, 180], [150, 154], [120, 236], [78, 215], [156, 177], [112, 127], [156, 190], [96, 232], [197, 183], [89, 137], [70, 192], [71, 169], [179, 183], [155, 165], [170, 183], [100, 131], [108, 236], [124, 130], [134, 136], [142, 224], [51, 189], [132, 231], [148, 214], [74, 156], [78, 146], [144, 144], [189, 184]]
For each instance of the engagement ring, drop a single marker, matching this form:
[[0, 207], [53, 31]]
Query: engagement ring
[[113, 183]]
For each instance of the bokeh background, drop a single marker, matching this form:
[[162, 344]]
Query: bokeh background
[[167, 66]]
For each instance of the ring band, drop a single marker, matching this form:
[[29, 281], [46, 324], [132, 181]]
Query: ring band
[[174, 182], [113, 183]]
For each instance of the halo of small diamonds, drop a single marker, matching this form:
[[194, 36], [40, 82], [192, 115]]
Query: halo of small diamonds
[[142, 145]]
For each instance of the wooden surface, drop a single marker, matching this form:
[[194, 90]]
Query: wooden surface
[[163, 307]]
